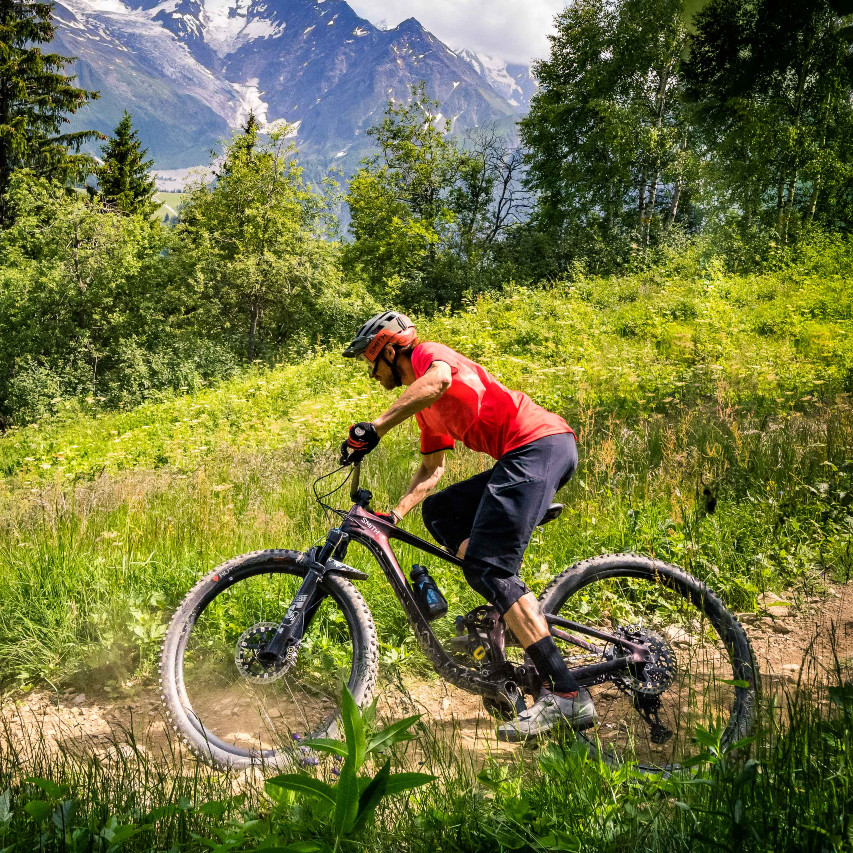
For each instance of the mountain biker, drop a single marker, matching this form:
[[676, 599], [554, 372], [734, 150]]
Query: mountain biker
[[486, 520]]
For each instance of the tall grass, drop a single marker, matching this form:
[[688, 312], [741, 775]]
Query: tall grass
[[715, 423], [792, 791], [710, 437]]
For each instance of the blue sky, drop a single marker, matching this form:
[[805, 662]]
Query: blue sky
[[515, 30]]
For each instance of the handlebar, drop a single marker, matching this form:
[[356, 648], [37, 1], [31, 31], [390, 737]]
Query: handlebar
[[354, 482]]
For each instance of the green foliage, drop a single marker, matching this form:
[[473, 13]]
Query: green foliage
[[608, 144], [771, 83], [124, 180], [671, 379], [35, 100], [426, 212], [354, 799], [251, 249], [85, 309]]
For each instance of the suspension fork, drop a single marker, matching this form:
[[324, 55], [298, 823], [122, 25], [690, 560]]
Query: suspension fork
[[308, 598]]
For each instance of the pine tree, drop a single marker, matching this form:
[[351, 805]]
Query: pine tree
[[35, 100], [124, 180]]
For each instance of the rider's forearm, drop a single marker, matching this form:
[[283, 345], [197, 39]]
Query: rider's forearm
[[422, 484], [421, 393]]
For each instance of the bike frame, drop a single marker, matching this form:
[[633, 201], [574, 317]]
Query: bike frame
[[502, 680]]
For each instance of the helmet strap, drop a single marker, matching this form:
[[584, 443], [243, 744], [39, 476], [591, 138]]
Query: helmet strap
[[398, 379]]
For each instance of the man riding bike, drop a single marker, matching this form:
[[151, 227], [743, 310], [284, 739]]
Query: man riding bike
[[486, 520]]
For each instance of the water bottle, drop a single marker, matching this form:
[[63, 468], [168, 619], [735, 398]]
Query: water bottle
[[432, 603]]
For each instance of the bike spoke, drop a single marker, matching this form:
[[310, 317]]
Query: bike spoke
[[650, 713], [240, 701]]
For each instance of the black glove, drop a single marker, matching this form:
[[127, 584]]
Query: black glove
[[362, 439]]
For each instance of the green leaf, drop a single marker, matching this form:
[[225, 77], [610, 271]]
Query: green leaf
[[346, 795], [63, 815], [122, 833], [326, 744], [735, 682], [304, 785], [707, 738], [354, 729], [6, 806], [54, 791], [38, 810], [368, 714], [399, 782], [393, 734], [214, 808], [372, 794]]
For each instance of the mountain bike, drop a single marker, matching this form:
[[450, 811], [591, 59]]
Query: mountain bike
[[256, 656]]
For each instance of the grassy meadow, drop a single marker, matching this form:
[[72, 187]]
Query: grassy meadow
[[715, 420]]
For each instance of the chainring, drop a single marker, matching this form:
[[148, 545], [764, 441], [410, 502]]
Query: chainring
[[251, 641], [656, 674]]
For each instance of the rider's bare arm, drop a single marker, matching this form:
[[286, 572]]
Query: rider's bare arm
[[421, 393], [428, 474]]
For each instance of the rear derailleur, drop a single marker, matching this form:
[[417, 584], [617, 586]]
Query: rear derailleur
[[647, 707]]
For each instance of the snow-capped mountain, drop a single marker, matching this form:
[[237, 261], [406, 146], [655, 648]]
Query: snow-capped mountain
[[514, 81], [189, 71]]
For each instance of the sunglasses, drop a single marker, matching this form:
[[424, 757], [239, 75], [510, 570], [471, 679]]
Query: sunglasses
[[373, 366]]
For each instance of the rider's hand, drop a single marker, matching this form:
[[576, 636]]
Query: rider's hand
[[391, 517], [361, 440]]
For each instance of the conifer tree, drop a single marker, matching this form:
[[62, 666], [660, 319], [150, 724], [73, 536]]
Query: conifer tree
[[124, 179], [35, 100]]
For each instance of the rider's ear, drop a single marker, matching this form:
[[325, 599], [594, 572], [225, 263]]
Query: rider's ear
[[389, 352]]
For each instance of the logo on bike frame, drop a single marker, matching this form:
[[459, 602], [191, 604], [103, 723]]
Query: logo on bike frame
[[372, 527]]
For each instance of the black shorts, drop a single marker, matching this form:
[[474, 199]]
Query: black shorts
[[498, 511]]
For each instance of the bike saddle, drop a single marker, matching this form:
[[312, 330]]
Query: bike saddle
[[551, 513]]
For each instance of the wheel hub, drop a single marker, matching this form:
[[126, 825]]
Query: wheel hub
[[656, 674], [254, 640]]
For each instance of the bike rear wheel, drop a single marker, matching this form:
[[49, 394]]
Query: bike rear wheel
[[702, 672], [230, 709]]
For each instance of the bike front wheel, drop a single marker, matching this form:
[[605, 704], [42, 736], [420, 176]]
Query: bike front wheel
[[700, 683], [231, 710]]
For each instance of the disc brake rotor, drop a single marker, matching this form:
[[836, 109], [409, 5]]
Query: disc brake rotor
[[659, 670], [252, 641]]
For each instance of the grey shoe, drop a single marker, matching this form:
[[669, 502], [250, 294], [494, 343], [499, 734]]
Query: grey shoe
[[548, 714]]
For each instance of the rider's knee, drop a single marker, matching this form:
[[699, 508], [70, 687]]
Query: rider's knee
[[434, 515], [498, 586], [429, 513]]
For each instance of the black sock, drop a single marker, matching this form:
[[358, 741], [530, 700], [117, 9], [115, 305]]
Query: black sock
[[550, 665]]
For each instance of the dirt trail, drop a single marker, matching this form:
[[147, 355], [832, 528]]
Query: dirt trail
[[790, 642]]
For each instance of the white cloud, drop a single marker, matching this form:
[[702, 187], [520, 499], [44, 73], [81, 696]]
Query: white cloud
[[510, 29]]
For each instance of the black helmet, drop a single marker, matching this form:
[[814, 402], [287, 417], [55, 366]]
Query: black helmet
[[389, 327]]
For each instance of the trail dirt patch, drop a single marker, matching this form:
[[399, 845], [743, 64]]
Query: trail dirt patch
[[795, 644]]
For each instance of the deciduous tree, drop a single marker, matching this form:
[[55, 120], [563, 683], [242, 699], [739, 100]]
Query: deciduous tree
[[609, 147]]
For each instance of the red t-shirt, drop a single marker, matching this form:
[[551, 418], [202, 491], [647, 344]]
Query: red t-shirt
[[477, 410]]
